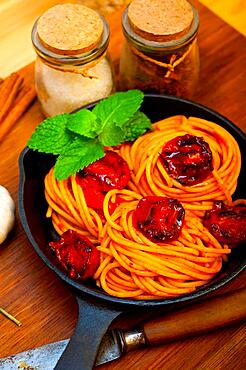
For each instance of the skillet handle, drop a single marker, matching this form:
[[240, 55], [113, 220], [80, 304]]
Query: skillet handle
[[93, 322]]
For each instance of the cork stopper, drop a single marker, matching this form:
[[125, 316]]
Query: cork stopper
[[70, 29], [160, 20]]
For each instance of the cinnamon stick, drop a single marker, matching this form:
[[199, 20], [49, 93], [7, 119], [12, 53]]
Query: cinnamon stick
[[6, 88], [22, 92], [17, 112], [11, 95]]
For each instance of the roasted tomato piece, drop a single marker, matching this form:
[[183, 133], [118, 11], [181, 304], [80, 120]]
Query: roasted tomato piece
[[76, 254], [111, 171], [227, 223], [188, 159], [160, 219], [92, 191]]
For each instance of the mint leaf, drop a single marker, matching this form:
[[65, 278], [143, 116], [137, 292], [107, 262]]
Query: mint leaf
[[80, 153], [111, 135], [136, 126], [118, 108], [79, 138], [51, 136], [84, 122]]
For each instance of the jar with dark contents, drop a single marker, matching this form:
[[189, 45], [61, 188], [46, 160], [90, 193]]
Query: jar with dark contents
[[160, 53]]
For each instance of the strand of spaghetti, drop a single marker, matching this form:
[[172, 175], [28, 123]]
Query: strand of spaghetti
[[123, 275], [164, 174], [222, 186], [63, 226], [97, 220], [126, 263], [57, 224], [106, 207], [189, 261], [149, 246], [83, 209], [49, 212], [204, 234], [239, 202], [159, 289], [197, 206], [138, 281], [181, 284], [117, 280], [125, 153], [59, 210], [135, 267], [52, 190], [114, 292], [161, 266], [67, 197]]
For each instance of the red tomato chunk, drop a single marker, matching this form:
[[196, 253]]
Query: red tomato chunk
[[188, 159], [227, 223], [109, 172], [160, 219], [76, 254]]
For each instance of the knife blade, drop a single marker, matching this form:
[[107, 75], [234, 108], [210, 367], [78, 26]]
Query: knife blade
[[199, 318], [47, 356]]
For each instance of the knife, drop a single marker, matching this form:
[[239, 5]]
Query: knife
[[199, 318]]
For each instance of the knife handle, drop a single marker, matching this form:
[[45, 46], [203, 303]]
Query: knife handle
[[199, 318]]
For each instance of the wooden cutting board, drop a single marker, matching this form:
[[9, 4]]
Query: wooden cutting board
[[29, 290]]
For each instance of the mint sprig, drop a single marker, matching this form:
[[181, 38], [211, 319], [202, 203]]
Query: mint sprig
[[77, 155], [51, 136], [79, 138]]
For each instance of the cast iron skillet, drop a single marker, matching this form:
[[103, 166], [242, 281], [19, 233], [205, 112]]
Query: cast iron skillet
[[97, 309]]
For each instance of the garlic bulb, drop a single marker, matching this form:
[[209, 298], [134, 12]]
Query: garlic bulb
[[7, 213]]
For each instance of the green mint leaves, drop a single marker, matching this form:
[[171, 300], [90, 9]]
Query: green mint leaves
[[77, 155], [51, 136], [79, 138]]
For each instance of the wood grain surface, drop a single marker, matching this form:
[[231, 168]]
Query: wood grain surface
[[33, 293]]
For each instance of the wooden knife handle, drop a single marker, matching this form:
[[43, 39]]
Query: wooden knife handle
[[197, 319]]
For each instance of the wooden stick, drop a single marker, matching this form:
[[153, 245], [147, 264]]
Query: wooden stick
[[11, 97], [9, 316], [17, 112]]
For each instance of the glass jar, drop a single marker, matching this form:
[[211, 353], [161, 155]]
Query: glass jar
[[69, 79], [167, 67]]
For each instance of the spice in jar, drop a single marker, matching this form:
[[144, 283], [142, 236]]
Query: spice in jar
[[72, 67], [160, 53]]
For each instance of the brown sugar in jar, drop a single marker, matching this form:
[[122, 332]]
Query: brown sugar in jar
[[160, 53]]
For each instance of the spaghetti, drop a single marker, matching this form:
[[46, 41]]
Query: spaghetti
[[149, 177], [131, 265]]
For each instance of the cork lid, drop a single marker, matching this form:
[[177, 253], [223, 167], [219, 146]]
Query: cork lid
[[70, 29], [160, 20]]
